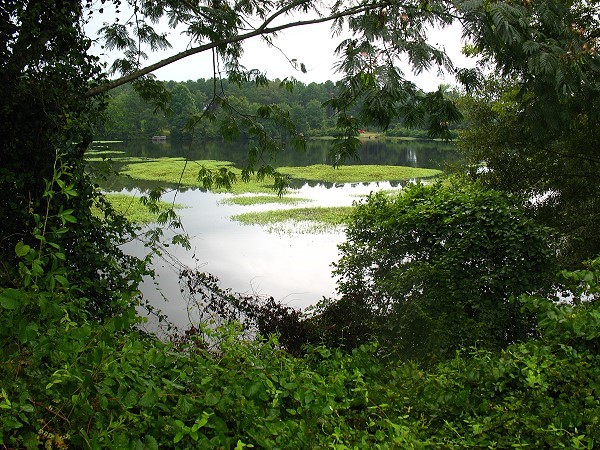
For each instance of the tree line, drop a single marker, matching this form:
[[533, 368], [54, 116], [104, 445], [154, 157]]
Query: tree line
[[130, 117]]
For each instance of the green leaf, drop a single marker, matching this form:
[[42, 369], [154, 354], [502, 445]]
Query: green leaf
[[149, 399], [202, 421], [150, 442], [27, 331], [22, 249], [28, 408], [69, 218], [12, 298], [211, 398]]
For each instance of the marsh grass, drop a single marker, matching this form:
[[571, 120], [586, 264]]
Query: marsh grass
[[357, 174], [185, 173], [246, 200], [132, 208], [104, 152], [303, 220]]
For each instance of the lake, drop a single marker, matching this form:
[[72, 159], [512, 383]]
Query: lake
[[290, 264]]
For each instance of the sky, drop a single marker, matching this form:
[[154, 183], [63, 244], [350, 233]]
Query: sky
[[312, 45]]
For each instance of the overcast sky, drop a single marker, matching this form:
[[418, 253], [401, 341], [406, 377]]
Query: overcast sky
[[312, 45]]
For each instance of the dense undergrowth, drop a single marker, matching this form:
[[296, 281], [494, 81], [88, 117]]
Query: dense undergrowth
[[71, 381]]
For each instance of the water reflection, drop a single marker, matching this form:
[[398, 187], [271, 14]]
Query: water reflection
[[415, 153], [294, 267]]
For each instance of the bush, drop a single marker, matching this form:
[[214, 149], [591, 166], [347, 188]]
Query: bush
[[436, 267]]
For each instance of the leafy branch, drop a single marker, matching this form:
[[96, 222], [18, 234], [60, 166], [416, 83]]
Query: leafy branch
[[263, 29]]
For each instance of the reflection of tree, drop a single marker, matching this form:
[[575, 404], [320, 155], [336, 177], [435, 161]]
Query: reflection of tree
[[430, 154]]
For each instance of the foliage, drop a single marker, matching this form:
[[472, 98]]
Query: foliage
[[75, 369], [245, 200], [44, 67], [257, 315], [129, 117], [47, 123], [401, 131], [535, 125], [435, 268], [69, 382], [539, 394], [220, 176]]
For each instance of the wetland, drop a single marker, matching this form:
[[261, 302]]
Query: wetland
[[252, 239]]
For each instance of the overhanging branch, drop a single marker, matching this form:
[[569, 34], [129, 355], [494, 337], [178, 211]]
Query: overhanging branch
[[261, 30]]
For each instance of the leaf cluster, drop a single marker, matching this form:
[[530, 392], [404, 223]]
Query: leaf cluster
[[435, 268]]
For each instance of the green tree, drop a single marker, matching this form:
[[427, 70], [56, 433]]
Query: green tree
[[47, 122], [536, 125], [434, 268], [76, 370], [315, 114], [182, 107], [129, 116], [300, 116]]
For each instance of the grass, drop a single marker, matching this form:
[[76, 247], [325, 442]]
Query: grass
[[357, 174], [177, 170], [131, 207], [316, 219], [303, 220], [246, 200]]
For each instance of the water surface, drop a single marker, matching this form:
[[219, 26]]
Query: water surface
[[292, 266]]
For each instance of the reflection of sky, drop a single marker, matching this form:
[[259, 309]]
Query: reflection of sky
[[294, 268]]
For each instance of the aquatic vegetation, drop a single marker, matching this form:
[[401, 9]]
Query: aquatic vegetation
[[357, 173], [245, 200], [182, 172], [315, 219], [185, 173], [132, 208]]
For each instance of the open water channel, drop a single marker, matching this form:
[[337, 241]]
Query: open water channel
[[291, 265]]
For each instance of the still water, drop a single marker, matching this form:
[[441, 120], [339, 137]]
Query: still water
[[291, 265]]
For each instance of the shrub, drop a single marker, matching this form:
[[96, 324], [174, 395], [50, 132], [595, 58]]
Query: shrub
[[436, 268]]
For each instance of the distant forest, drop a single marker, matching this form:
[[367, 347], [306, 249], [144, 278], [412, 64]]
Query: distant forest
[[130, 117]]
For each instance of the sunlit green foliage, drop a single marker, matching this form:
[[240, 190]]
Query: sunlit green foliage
[[434, 268], [357, 173], [75, 370], [178, 171], [133, 210]]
